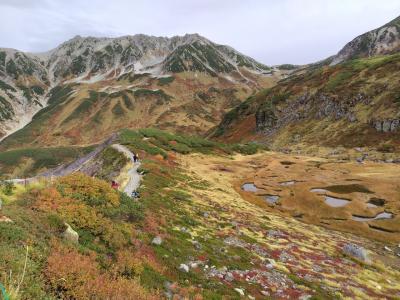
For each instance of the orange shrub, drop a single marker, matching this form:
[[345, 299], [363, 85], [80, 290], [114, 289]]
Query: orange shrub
[[128, 264], [93, 191], [77, 276]]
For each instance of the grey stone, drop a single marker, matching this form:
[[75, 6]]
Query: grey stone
[[240, 291], [357, 252], [157, 241], [395, 125], [229, 277], [196, 245], [386, 125], [184, 268], [71, 235]]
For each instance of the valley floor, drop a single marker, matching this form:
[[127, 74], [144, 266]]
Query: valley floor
[[288, 258], [195, 233]]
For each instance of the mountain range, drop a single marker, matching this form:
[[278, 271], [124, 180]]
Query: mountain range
[[87, 88], [139, 64]]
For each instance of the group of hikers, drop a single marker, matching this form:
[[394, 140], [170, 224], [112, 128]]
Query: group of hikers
[[115, 185]]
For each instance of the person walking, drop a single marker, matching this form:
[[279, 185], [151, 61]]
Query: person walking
[[134, 157]]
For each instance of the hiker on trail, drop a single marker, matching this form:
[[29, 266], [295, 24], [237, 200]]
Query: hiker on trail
[[114, 185], [135, 194], [134, 157]]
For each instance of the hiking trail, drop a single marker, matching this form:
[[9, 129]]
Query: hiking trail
[[133, 176]]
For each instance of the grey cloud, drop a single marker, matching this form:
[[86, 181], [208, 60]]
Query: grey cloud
[[274, 32]]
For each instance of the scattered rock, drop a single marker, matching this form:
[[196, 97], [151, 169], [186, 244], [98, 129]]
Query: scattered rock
[[4, 219], [357, 252], [184, 268], [71, 235], [206, 214], [387, 249], [157, 241], [275, 233], [240, 291], [196, 245], [229, 277]]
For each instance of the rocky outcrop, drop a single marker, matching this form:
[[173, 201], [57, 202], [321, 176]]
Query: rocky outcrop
[[266, 119], [269, 118], [387, 125]]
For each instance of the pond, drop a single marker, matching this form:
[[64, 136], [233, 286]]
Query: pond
[[272, 199], [249, 187], [318, 190], [380, 216], [290, 182], [336, 202]]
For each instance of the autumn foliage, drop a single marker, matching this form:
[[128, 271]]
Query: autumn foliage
[[78, 276]]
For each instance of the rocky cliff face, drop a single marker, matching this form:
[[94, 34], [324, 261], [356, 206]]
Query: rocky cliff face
[[383, 40], [23, 86]]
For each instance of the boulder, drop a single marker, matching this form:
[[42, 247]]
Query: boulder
[[157, 241], [229, 277], [386, 125], [184, 268], [71, 235], [240, 291], [356, 252]]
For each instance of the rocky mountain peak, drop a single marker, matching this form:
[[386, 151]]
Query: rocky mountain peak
[[380, 41]]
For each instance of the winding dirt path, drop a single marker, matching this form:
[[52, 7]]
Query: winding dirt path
[[133, 175]]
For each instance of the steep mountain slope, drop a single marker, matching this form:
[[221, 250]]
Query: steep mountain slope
[[23, 85], [383, 40], [351, 104], [96, 58], [122, 82]]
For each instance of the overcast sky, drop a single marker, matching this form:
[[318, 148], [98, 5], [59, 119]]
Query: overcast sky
[[271, 31]]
